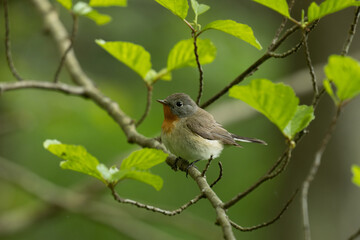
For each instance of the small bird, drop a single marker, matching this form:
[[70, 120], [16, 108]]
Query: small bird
[[191, 133]]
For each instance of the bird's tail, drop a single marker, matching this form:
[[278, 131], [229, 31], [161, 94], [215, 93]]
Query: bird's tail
[[249, 140]]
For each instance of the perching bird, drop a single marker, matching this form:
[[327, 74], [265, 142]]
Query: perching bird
[[191, 133]]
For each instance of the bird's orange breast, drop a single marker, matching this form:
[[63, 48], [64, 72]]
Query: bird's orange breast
[[169, 120]]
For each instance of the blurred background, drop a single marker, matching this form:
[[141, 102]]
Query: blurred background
[[39, 200]]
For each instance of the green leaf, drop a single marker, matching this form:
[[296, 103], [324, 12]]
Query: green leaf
[[137, 164], [276, 101], [279, 6], [132, 55], [108, 3], [327, 7], [199, 8], [356, 174], [303, 116], [344, 72], [66, 3], [76, 158], [143, 159], [146, 177], [241, 31], [83, 9], [182, 54], [177, 7]]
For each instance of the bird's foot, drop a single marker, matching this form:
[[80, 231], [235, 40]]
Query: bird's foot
[[191, 165]]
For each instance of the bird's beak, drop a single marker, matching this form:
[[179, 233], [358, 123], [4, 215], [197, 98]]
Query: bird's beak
[[164, 102]]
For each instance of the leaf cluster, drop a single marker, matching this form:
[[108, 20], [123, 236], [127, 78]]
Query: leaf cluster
[[136, 166]]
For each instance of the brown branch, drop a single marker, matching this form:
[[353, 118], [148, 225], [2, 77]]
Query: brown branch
[[148, 105], [8, 43], [265, 224], [207, 166], [313, 171], [60, 87], [253, 67], [152, 208], [310, 66], [271, 173], [201, 73], [281, 27], [72, 40], [351, 32], [287, 53], [220, 175]]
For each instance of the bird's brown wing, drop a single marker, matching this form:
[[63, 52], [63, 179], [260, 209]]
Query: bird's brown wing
[[203, 124]]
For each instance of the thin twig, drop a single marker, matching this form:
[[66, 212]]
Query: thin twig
[[207, 166], [61, 87], [201, 73], [265, 224], [152, 208], [72, 40], [250, 70], [310, 65], [355, 235], [148, 104], [8, 43], [281, 27], [287, 53], [271, 173], [312, 173], [220, 175], [351, 32]]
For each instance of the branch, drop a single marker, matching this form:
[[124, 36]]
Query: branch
[[207, 166], [253, 67], [310, 66], [220, 175], [60, 36], [60, 87], [281, 27], [272, 172], [351, 33], [287, 53], [148, 104], [265, 224], [152, 208], [72, 40], [201, 73], [313, 171], [8, 44]]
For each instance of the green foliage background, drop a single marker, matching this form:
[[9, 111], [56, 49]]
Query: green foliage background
[[28, 117]]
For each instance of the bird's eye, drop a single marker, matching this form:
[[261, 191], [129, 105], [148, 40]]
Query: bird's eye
[[179, 103]]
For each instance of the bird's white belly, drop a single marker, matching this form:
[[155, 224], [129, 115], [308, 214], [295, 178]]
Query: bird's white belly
[[187, 145]]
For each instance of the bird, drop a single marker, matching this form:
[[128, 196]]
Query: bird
[[191, 133]]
